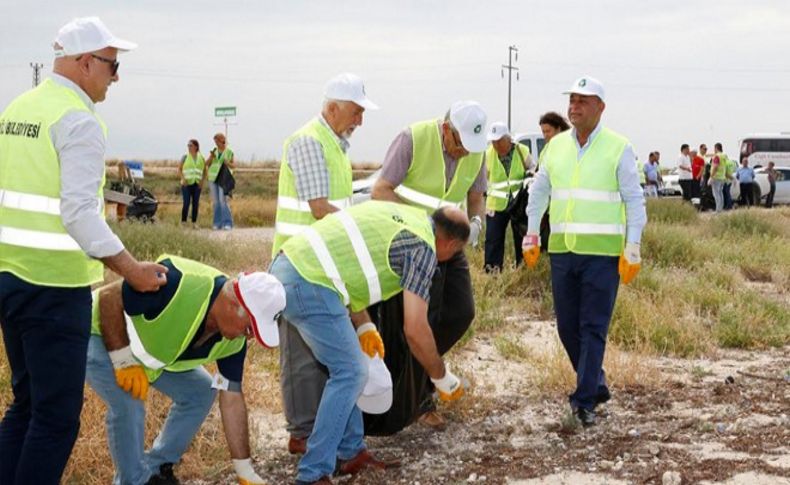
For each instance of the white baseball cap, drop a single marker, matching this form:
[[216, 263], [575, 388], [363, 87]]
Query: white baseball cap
[[348, 87], [497, 130], [587, 86], [263, 296], [376, 398], [469, 119], [87, 34]]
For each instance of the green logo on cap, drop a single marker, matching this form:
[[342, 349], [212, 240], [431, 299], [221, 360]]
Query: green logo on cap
[[582, 83], [478, 128]]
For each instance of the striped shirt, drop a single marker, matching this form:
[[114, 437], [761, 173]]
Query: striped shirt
[[306, 158], [415, 262]]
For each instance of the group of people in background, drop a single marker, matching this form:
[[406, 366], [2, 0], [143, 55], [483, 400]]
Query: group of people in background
[[194, 170], [700, 173]]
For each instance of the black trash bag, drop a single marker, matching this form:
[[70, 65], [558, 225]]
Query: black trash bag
[[143, 207], [409, 381], [225, 180], [517, 209]]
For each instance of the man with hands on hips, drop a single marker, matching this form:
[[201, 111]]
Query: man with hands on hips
[[597, 214]]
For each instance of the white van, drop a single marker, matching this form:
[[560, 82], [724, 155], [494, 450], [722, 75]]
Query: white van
[[534, 141]]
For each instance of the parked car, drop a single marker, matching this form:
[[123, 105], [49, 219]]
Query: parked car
[[361, 188], [762, 187], [534, 141], [671, 184]]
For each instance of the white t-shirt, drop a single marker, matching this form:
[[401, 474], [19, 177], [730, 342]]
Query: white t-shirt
[[684, 161]]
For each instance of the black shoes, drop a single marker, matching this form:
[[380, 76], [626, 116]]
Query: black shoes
[[603, 398], [164, 477], [585, 416]]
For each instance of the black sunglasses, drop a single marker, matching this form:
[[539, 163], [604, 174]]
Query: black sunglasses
[[114, 64]]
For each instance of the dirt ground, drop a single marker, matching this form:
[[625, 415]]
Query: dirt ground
[[722, 420]]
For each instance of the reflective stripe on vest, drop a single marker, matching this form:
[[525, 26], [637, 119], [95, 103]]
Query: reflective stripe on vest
[[293, 215], [425, 183], [503, 186], [586, 215], [34, 244], [216, 164], [348, 251], [193, 169], [138, 349], [425, 200]]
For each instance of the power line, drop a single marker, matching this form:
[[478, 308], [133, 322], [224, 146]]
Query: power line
[[510, 68]]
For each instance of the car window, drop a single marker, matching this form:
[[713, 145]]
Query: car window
[[783, 174]]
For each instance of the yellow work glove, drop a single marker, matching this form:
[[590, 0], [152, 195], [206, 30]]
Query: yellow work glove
[[370, 340], [129, 374], [530, 249], [246, 474], [630, 262], [449, 386]]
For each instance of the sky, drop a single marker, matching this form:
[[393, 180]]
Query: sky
[[690, 71]]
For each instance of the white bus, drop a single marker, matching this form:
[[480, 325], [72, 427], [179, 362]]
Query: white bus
[[762, 148]]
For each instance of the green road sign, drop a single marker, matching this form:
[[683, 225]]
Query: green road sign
[[224, 111]]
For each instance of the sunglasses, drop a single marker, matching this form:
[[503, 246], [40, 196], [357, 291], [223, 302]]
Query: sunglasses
[[114, 64]]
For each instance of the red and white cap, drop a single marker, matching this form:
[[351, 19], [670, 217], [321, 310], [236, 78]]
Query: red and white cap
[[87, 34], [263, 296]]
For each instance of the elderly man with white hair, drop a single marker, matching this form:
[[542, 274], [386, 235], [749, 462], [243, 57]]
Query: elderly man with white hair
[[54, 244], [315, 180]]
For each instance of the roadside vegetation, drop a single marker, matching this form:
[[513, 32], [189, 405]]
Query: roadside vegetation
[[707, 283]]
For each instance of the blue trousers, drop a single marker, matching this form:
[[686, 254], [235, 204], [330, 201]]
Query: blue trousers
[[190, 194], [45, 331], [320, 317], [585, 289], [223, 219]]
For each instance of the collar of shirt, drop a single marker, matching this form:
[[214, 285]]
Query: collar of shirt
[[66, 82], [344, 144], [582, 149]]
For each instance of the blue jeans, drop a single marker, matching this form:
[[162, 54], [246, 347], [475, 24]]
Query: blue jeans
[[496, 229], [190, 194], [727, 196], [584, 289], [717, 187], [222, 217], [323, 322], [192, 397], [45, 332]]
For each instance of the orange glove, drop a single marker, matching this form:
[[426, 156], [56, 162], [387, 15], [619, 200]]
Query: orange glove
[[129, 374], [133, 380], [530, 248], [630, 263], [370, 340], [449, 386]]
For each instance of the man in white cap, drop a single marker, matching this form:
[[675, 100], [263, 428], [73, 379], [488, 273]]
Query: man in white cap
[[54, 244], [351, 260], [315, 180], [432, 164], [597, 214], [507, 164], [164, 338]]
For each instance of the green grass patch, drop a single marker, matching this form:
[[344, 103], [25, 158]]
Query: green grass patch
[[670, 211]]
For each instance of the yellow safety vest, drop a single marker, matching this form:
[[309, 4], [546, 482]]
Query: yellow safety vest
[[587, 214], [425, 182], [503, 186], [193, 168], [34, 244], [294, 215]]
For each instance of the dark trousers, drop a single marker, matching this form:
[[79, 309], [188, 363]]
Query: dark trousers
[[685, 187], [769, 200], [747, 194], [585, 289], [496, 228], [190, 194], [450, 313], [46, 332], [696, 189], [727, 196]]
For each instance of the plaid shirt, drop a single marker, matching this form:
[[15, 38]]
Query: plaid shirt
[[415, 262], [308, 164]]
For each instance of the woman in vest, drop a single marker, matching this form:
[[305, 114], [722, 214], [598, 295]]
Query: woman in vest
[[221, 155], [192, 172]]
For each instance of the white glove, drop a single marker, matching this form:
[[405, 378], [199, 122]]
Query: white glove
[[122, 358], [449, 386], [245, 473], [475, 228], [631, 253]]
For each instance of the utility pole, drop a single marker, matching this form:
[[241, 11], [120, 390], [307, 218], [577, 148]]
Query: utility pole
[[36, 72], [512, 50]]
